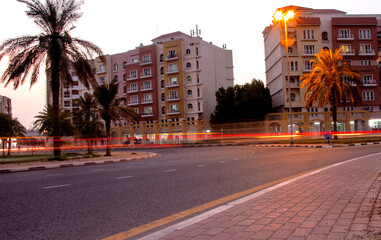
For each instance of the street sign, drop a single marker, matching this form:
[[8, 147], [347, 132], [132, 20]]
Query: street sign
[[328, 136]]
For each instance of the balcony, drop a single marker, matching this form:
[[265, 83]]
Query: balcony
[[367, 52], [172, 84], [132, 77], [345, 37], [173, 98], [146, 88], [171, 57], [145, 114], [146, 101], [146, 75], [145, 62], [132, 90], [172, 71], [133, 103], [369, 83], [308, 54], [173, 112], [349, 52]]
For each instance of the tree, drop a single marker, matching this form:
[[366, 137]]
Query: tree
[[9, 127], [55, 47], [326, 85], [241, 103], [110, 110], [85, 120], [44, 122]]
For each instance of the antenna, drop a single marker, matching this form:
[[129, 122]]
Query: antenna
[[197, 33]]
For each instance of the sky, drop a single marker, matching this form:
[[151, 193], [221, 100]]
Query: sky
[[119, 25]]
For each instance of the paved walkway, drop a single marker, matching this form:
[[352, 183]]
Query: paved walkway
[[339, 202]]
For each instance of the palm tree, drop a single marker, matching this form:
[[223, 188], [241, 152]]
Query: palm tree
[[44, 122], [55, 47], [85, 119], [326, 84], [110, 110], [10, 127]]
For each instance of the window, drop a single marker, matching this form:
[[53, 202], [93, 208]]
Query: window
[[172, 67], [162, 83], [133, 74], [366, 48], [148, 110], [102, 68], [324, 36], [198, 65], [173, 108], [364, 33], [146, 59], [75, 92], [133, 87], [116, 78], [173, 95], [308, 65], [134, 60], [66, 103], [187, 52], [173, 81], [189, 79], [66, 94], [162, 97], [367, 95], [124, 89], [309, 49], [290, 49], [189, 92], [198, 78], [124, 65], [161, 57], [163, 110], [345, 48], [146, 71], [198, 92], [115, 67], [365, 62], [367, 79], [196, 51], [162, 71], [309, 34], [189, 65], [148, 97], [134, 99], [136, 110], [344, 33], [102, 80], [75, 83], [293, 97], [190, 106], [172, 54], [147, 85], [293, 65], [199, 108], [124, 77]]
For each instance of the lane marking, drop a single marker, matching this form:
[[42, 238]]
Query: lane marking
[[53, 175], [244, 157], [222, 161], [57, 186], [201, 165], [244, 196], [171, 170], [124, 177], [235, 159]]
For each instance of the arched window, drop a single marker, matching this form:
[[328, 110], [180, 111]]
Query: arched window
[[162, 70], [163, 110], [188, 51], [124, 89], [124, 77], [161, 57], [378, 35], [190, 106], [163, 97], [116, 78], [326, 48], [189, 79], [115, 67], [324, 36], [162, 83], [189, 65], [189, 92], [124, 65]]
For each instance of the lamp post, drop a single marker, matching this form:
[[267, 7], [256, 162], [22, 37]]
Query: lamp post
[[279, 16]]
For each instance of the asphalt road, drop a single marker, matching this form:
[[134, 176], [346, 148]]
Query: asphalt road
[[93, 202]]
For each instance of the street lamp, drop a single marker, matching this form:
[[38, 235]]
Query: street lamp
[[285, 16]]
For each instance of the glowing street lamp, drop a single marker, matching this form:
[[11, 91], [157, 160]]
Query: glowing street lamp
[[285, 16]]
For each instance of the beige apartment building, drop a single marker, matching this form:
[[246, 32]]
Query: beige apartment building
[[359, 37], [5, 105]]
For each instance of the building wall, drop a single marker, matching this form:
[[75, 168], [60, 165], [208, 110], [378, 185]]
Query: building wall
[[5, 105]]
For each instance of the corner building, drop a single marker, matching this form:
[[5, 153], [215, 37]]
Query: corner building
[[358, 37]]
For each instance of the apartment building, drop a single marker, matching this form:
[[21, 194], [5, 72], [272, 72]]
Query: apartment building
[[5, 105], [358, 37]]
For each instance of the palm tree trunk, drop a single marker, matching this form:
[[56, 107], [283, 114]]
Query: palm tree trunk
[[3, 143], [108, 135], [55, 85], [9, 146], [334, 114]]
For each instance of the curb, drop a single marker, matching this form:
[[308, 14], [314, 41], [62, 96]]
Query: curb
[[75, 164]]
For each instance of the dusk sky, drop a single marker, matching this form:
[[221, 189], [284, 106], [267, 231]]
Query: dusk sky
[[118, 26]]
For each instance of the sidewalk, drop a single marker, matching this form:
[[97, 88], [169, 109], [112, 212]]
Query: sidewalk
[[339, 202]]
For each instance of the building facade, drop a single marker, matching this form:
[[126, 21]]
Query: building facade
[[358, 37], [5, 105]]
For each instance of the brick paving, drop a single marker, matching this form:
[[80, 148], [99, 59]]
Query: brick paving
[[341, 202]]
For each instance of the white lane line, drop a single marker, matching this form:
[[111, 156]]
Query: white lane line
[[201, 165], [171, 170], [222, 161], [236, 159], [244, 157], [53, 175], [57, 186], [124, 177]]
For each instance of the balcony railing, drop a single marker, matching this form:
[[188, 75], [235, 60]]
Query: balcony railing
[[132, 103], [350, 52], [369, 83], [146, 101], [147, 114], [146, 75], [345, 37], [174, 98], [171, 57], [146, 88], [172, 71], [309, 53], [367, 52], [172, 84], [132, 77], [132, 90], [145, 62], [173, 112]]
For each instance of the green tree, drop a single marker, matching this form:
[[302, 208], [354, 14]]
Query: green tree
[[242, 103], [44, 122], [85, 120], [55, 47], [325, 84], [10, 127], [106, 96]]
